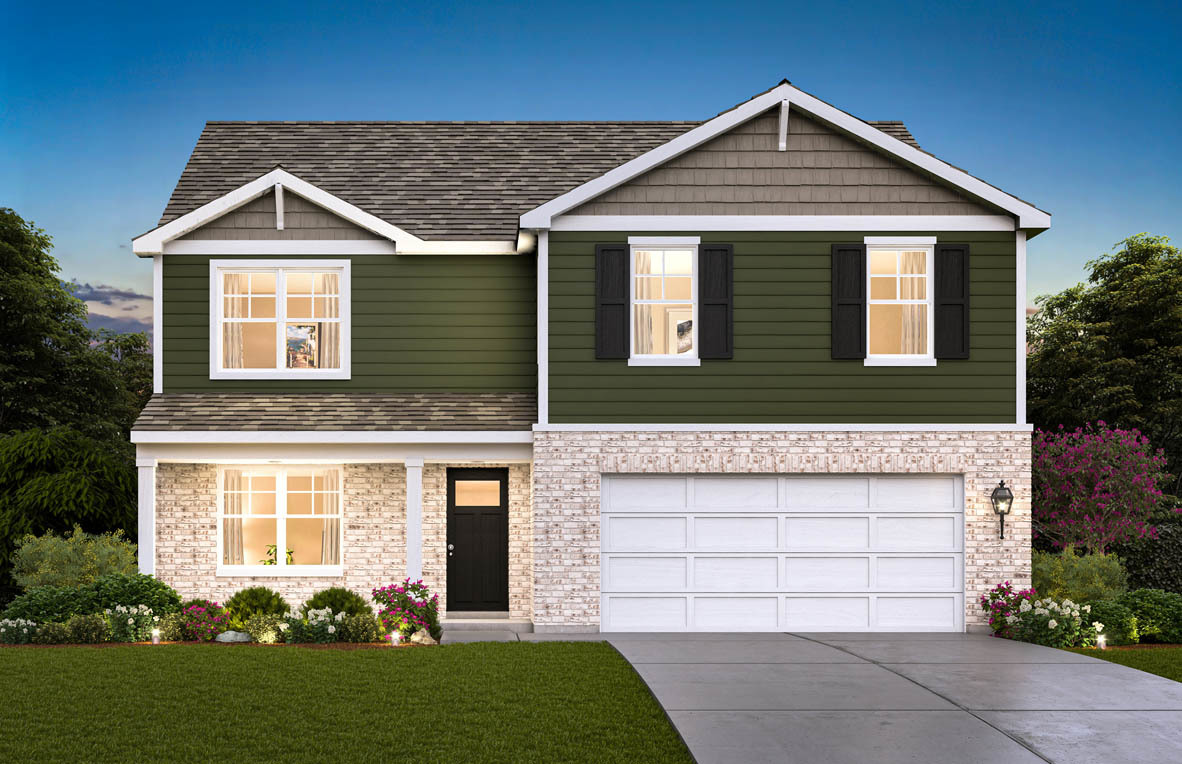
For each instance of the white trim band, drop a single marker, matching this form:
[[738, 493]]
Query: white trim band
[[331, 436], [783, 223]]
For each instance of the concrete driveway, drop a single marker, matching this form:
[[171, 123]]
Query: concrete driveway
[[857, 698]]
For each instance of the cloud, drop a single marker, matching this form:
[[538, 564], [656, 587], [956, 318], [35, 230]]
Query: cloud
[[122, 325], [107, 295], [115, 308]]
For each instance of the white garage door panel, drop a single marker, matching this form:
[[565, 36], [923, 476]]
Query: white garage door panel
[[739, 573], [645, 574], [738, 534], [782, 553], [828, 574], [736, 613]]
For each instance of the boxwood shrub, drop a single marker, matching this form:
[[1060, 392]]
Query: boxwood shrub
[[256, 600], [87, 629], [1159, 614], [338, 600], [135, 589], [1120, 625], [44, 604]]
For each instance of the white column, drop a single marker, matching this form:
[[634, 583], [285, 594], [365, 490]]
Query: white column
[[147, 514], [414, 518], [1020, 252], [543, 328]]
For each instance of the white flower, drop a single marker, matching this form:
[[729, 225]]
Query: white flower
[[332, 629], [1097, 626], [155, 618], [1086, 608], [283, 627], [1011, 619], [1024, 607], [1041, 611], [1068, 603], [1052, 623], [107, 611]]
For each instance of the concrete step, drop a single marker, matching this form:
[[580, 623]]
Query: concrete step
[[488, 622]]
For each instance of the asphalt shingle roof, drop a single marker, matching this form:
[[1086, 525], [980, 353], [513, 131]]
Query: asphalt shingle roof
[[339, 411], [437, 180]]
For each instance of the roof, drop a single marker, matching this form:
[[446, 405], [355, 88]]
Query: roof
[[436, 180], [236, 412]]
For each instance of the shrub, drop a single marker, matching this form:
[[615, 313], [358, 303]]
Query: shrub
[[80, 558], [172, 627], [1120, 625], [1155, 563], [257, 600], [135, 589], [87, 629], [44, 604], [52, 634], [360, 628], [17, 631], [408, 607], [202, 620], [1094, 486], [131, 624], [338, 600], [1086, 578], [319, 627], [1054, 624], [1000, 604], [1159, 614], [265, 628]]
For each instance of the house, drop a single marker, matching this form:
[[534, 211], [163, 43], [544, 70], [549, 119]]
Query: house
[[760, 372]]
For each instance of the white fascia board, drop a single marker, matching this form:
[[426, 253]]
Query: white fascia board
[[279, 247], [783, 223], [153, 242], [787, 427], [902, 241], [665, 241], [336, 453], [542, 216], [331, 436]]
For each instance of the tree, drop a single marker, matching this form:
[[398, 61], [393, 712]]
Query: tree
[[1111, 348], [1095, 486]]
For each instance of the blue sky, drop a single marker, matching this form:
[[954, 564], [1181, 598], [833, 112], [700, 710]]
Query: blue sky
[[1075, 107]]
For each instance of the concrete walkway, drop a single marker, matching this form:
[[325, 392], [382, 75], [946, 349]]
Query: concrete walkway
[[888, 698]]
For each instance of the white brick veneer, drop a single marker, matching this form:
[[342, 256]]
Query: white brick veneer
[[568, 465], [374, 548]]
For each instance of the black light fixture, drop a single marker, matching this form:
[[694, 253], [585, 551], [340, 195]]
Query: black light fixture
[[1003, 502]]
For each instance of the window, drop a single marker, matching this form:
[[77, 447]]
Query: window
[[289, 321], [664, 303], [899, 309], [263, 510]]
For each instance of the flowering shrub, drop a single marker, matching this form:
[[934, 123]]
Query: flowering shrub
[[202, 620], [131, 624], [17, 631], [408, 607], [1000, 604], [320, 627], [1055, 624], [1094, 486]]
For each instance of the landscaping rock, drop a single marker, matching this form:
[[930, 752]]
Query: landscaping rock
[[232, 636], [422, 637]]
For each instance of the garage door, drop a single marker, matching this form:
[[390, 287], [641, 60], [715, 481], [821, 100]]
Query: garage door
[[782, 553]]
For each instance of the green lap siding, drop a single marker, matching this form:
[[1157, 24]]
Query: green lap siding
[[782, 371], [419, 323]]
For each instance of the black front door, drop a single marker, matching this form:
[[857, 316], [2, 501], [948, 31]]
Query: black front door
[[477, 539]]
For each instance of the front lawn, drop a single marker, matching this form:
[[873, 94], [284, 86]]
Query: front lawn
[[520, 702], [1163, 661]]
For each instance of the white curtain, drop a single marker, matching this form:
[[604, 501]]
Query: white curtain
[[330, 543], [915, 330], [232, 526], [233, 350]]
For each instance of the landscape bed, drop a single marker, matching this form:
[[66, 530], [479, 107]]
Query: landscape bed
[[479, 702]]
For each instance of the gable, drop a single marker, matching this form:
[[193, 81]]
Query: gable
[[302, 220], [822, 172]]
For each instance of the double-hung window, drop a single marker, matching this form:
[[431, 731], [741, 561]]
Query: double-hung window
[[279, 521], [663, 275], [279, 320], [899, 309]]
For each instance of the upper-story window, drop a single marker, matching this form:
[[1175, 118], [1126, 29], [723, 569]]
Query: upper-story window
[[899, 310], [287, 320], [664, 302]]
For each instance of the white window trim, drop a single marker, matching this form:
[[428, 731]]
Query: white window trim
[[689, 243], [912, 243], [281, 569], [216, 309]]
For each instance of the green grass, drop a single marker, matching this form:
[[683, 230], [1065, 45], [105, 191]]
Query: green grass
[[514, 702], [1163, 661]]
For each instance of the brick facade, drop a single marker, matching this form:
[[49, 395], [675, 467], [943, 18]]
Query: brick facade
[[374, 529], [568, 465]]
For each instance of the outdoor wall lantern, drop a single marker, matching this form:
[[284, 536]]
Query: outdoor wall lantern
[[1003, 501]]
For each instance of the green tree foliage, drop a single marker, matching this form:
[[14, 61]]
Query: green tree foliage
[[80, 558], [1111, 348]]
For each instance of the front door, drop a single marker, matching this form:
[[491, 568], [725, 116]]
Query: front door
[[477, 539]]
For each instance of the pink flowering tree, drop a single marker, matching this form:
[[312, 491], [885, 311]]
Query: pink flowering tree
[[1095, 486]]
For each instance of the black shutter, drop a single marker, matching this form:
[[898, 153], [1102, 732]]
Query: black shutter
[[951, 299], [848, 315], [611, 301], [716, 297]]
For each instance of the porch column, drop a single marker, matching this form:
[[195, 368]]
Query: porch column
[[146, 524], [414, 518]]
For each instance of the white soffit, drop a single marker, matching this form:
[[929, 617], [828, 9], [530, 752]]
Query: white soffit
[[405, 243], [1028, 216]]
